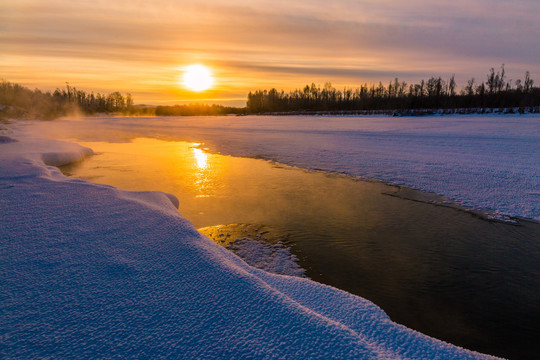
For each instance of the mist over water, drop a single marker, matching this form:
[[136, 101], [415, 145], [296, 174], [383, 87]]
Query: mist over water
[[441, 271]]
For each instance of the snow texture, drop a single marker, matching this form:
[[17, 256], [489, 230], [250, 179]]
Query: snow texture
[[274, 258], [481, 161], [90, 271]]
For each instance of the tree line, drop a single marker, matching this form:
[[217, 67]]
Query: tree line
[[90, 103], [496, 92], [434, 93], [198, 109], [19, 101]]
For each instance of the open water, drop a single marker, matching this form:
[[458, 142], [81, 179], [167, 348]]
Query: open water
[[439, 270]]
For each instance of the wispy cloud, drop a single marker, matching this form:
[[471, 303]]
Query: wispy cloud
[[141, 44]]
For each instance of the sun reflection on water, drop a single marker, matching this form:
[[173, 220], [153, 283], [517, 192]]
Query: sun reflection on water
[[201, 158], [202, 179]]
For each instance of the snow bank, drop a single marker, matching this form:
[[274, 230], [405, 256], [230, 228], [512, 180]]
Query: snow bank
[[90, 271], [51, 152]]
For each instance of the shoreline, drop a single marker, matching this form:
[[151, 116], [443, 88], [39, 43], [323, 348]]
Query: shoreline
[[120, 257], [416, 219], [402, 191], [410, 193], [405, 192], [407, 112]]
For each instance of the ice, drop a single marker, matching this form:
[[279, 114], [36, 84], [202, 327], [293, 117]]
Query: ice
[[90, 271]]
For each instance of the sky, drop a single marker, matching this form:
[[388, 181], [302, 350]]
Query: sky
[[142, 47]]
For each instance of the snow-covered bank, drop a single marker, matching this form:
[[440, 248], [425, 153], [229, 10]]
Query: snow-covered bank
[[90, 271], [482, 161]]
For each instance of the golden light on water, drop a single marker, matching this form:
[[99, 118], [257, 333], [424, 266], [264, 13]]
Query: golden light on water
[[201, 158], [198, 78]]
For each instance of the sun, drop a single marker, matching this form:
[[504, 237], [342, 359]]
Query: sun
[[197, 78]]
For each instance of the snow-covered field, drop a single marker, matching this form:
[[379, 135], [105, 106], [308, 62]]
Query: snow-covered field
[[90, 271], [481, 161]]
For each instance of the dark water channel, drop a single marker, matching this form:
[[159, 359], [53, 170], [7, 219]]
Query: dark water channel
[[441, 271]]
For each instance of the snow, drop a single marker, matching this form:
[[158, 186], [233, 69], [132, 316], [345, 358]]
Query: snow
[[54, 153], [90, 271], [274, 258], [481, 161]]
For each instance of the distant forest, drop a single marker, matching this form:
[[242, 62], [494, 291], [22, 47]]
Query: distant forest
[[398, 98], [426, 96], [198, 109], [19, 101]]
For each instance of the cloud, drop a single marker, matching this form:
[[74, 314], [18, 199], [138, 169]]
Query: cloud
[[273, 40]]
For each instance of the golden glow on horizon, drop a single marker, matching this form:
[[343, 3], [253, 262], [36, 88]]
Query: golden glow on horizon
[[145, 48], [198, 78]]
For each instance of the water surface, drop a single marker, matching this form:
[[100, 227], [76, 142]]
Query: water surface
[[443, 272]]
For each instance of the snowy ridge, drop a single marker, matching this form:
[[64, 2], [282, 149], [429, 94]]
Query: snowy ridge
[[90, 271]]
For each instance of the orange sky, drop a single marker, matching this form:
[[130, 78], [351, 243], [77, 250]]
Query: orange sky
[[142, 46]]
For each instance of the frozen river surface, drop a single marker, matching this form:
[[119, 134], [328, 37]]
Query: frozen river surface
[[482, 161]]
